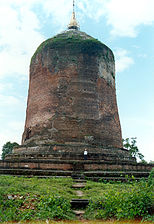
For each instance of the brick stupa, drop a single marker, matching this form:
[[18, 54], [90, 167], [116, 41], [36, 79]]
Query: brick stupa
[[72, 107], [72, 98]]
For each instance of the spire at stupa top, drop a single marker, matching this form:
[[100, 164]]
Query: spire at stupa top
[[73, 23]]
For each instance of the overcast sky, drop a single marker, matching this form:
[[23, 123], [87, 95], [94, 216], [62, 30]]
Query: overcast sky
[[126, 26]]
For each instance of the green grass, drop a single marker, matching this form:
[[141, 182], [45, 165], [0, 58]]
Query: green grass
[[32, 199], [81, 222], [120, 200], [38, 186], [95, 190]]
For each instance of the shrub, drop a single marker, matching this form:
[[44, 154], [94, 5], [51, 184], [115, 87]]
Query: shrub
[[53, 207], [16, 207], [135, 202]]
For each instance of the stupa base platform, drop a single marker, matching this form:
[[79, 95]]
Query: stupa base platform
[[95, 175], [68, 161], [70, 151]]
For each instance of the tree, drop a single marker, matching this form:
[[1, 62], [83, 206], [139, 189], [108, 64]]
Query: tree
[[7, 148], [133, 149]]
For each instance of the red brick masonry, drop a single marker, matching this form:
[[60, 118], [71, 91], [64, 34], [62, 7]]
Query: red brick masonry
[[72, 94]]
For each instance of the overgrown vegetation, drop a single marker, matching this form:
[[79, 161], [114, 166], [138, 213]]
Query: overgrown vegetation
[[39, 199], [79, 222], [130, 201], [36, 186], [33, 198], [34, 207]]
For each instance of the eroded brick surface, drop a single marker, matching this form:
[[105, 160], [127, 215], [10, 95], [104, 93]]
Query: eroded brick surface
[[69, 165], [72, 97]]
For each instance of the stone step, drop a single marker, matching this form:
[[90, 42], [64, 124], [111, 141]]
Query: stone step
[[79, 193], [115, 173], [79, 203], [68, 160], [123, 179], [79, 185], [80, 180], [102, 154], [79, 212], [78, 177], [35, 172]]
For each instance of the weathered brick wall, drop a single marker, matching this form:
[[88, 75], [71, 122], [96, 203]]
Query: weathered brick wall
[[72, 165], [72, 94]]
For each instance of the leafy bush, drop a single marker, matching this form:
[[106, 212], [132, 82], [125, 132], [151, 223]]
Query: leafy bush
[[151, 178], [132, 203], [54, 207], [16, 207], [33, 198]]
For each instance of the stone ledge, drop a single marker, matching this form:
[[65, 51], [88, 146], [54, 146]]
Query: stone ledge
[[75, 165], [92, 175], [66, 152]]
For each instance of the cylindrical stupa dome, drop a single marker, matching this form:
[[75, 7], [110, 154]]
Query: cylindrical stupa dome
[[72, 95]]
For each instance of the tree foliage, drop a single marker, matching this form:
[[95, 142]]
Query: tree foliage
[[130, 144], [7, 148]]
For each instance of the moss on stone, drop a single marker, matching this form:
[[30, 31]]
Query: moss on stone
[[75, 43]]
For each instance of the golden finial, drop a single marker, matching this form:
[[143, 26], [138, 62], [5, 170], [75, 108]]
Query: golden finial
[[73, 23]]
